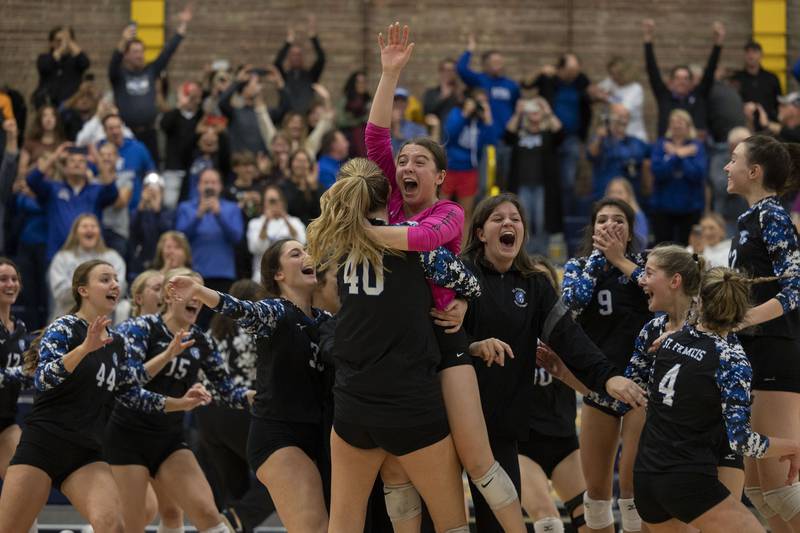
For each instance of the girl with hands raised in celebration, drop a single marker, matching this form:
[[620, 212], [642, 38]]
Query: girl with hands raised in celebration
[[285, 444], [414, 179], [601, 289], [172, 350], [80, 367]]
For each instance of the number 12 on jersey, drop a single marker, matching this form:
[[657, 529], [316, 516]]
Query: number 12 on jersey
[[667, 385]]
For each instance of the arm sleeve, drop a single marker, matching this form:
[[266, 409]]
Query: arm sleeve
[[454, 124], [50, 371], [255, 244], [661, 165], [379, 151], [444, 269], [160, 63], [695, 168], [129, 391], [580, 278], [82, 62], [568, 339], [186, 222], [8, 171], [230, 220], [319, 64], [108, 195], [470, 77], [640, 367], [653, 74], [780, 239], [733, 378], [217, 373], [281, 57], [115, 67], [45, 64], [136, 332], [38, 185], [704, 88], [440, 227], [224, 102], [257, 318]]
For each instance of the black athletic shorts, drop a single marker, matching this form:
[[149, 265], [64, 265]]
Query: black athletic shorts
[[682, 495], [268, 436], [607, 409], [454, 348], [396, 441], [775, 362], [547, 451], [57, 457], [126, 446], [728, 457]]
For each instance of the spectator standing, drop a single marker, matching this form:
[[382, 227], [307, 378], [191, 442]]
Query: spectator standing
[[64, 200], [680, 92], [533, 133], [83, 243], [334, 150], [756, 84], [440, 100], [92, 131], [246, 191], [503, 92], [8, 172], [61, 69], [44, 136], [613, 152], [402, 128], [566, 89], [679, 165], [302, 189], [249, 123], [116, 217], [134, 82], [149, 222], [290, 61], [180, 125], [621, 189], [213, 226], [469, 128], [79, 108], [212, 152], [353, 111], [273, 225], [620, 88], [133, 161]]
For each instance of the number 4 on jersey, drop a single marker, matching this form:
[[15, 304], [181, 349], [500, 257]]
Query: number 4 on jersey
[[353, 282], [667, 385]]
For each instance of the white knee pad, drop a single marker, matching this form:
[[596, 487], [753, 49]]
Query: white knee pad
[[785, 501], [630, 516], [548, 524], [402, 502], [496, 487], [756, 497], [598, 513], [462, 529]]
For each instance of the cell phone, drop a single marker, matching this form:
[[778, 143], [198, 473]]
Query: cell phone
[[84, 150], [209, 193], [259, 71]]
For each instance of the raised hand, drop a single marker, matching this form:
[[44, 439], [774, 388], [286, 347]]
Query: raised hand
[[96, 336], [395, 49], [185, 16], [290, 35], [472, 43], [312, 25], [177, 345], [718, 30], [182, 288], [129, 33], [648, 29]]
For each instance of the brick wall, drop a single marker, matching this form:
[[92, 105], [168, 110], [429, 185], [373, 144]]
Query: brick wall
[[530, 32]]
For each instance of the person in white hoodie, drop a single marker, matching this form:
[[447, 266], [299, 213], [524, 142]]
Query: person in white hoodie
[[83, 243], [274, 224], [717, 244]]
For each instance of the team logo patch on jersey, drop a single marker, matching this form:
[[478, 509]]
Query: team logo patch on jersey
[[195, 353], [520, 297], [63, 194]]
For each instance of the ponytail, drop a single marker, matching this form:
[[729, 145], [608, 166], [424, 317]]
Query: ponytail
[[725, 298], [779, 162], [340, 230]]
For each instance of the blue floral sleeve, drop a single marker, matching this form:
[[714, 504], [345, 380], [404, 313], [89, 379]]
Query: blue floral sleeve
[[733, 379], [129, 391], [217, 374], [580, 278], [257, 318], [55, 344], [780, 238], [640, 260], [15, 375], [444, 269], [137, 333]]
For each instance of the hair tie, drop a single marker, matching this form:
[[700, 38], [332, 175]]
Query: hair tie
[[726, 276]]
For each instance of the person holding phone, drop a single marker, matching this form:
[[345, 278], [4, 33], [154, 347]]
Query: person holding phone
[[213, 227]]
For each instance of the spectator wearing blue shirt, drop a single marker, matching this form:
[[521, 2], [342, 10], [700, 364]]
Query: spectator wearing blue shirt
[[133, 160], [467, 130], [402, 129], [503, 92], [64, 200], [680, 167], [334, 150], [565, 88], [615, 153], [213, 226]]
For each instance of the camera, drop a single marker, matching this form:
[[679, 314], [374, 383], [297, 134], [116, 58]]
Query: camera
[[209, 192]]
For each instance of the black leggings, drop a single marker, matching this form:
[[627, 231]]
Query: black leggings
[[223, 441]]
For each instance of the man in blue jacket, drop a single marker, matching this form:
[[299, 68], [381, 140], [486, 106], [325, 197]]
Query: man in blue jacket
[[64, 200]]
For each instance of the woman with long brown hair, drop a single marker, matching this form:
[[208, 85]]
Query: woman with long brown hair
[[80, 368]]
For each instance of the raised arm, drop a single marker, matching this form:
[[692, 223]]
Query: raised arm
[[442, 225], [580, 278], [653, 73], [705, 85], [470, 77], [395, 53]]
